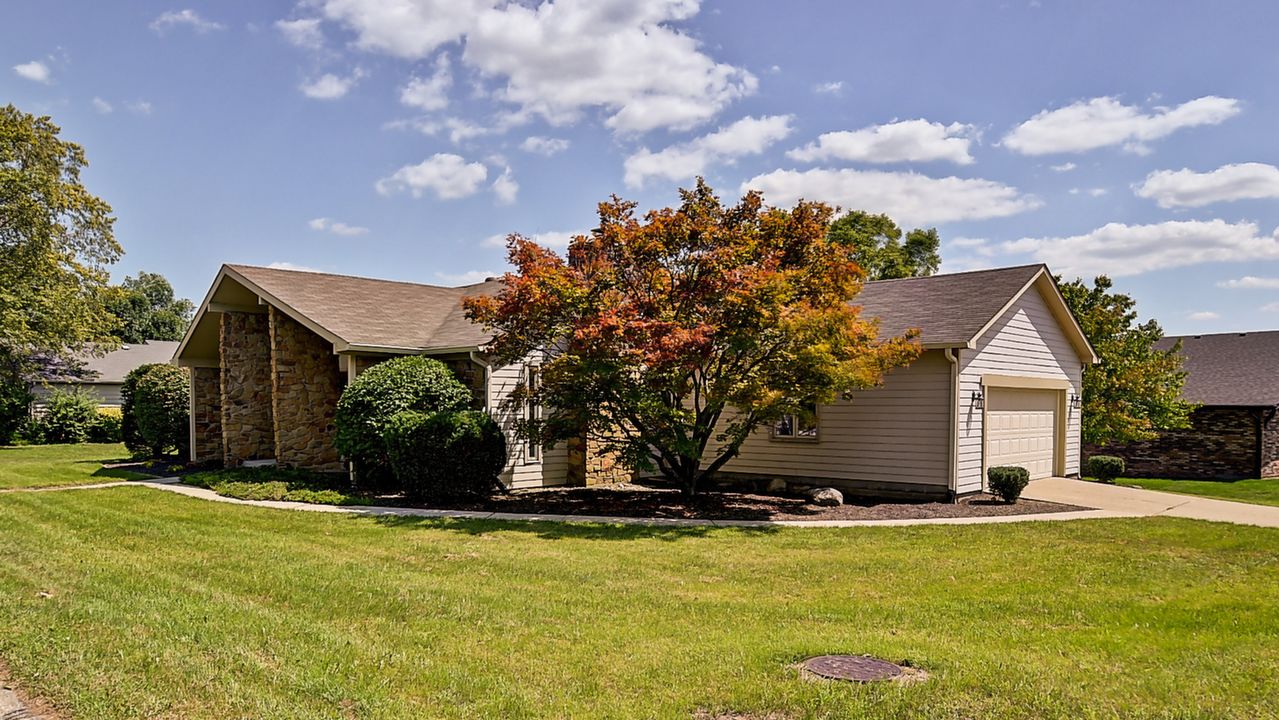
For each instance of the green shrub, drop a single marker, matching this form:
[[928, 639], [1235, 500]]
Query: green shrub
[[69, 416], [1105, 467], [377, 394], [1007, 481], [106, 426], [129, 418], [446, 454], [272, 483], [161, 410], [15, 404]]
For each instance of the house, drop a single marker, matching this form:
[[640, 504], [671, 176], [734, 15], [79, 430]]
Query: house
[[103, 377], [998, 382], [1234, 378]]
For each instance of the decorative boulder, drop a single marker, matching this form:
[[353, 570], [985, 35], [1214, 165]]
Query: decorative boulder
[[776, 485], [827, 497]]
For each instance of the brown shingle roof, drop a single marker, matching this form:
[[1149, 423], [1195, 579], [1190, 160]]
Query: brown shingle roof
[[1240, 369], [112, 367]]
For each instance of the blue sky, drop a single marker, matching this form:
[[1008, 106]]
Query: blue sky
[[403, 138]]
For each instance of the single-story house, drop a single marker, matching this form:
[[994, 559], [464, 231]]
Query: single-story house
[[103, 377], [1234, 378], [998, 382]]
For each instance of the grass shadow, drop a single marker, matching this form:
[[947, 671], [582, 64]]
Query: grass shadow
[[558, 530]]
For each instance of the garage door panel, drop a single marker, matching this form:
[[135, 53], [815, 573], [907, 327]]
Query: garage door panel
[[1021, 429]]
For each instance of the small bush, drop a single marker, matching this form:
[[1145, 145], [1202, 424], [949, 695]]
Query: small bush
[[106, 427], [129, 418], [271, 483], [377, 394], [1105, 467], [69, 416], [447, 454], [161, 410], [15, 405], [1007, 481]]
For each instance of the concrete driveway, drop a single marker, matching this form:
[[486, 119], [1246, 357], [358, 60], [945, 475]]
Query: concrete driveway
[[1136, 501]]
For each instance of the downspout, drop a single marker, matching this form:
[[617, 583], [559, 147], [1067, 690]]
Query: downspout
[[952, 462]]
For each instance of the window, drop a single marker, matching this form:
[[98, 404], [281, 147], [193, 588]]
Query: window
[[532, 412], [797, 426]]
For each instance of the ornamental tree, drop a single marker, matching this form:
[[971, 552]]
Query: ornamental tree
[[674, 336], [877, 242], [1136, 388]]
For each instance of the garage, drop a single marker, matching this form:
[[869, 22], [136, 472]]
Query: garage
[[1021, 429]]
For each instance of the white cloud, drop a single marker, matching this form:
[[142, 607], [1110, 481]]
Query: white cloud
[[829, 88], [303, 32], [505, 187], [430, 93], [1250, 282], [1187, 188], [324, 224], [562, 57], [1203, 315], [1117, 249], [1064, 167], [1105, 121], [460, 129], [446, 175], [1270, 307], [905, 141], [909, 198], [102, 106], [1094, 192], [544, 145], [329, 86], [189, 18], [140, 107], [34, 71], [469, 277], [283, 265], [748, 136], [553, 239]]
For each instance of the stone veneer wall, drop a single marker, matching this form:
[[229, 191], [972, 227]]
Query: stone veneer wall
[[206, 415], [589, 464], [1220, 444], [248, 431], [305, 386], [1270, 443]]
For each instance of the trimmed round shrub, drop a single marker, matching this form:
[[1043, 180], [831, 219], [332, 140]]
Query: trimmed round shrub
[[1007, 481], [161, 408], [106, 426], [1105, 467], [69, 416], [376, 395], [129, 419], [446, 454]]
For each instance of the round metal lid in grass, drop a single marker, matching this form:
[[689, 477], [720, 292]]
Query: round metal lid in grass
[[857, 668]]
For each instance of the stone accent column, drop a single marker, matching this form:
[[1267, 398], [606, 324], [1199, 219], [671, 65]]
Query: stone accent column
[[248, 431], [1270, 442], [306, 384], [589, 464], [206, 414]]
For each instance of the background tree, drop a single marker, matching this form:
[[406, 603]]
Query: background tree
[[879, 249], [1136, 388], [676, 336], [147, 309]]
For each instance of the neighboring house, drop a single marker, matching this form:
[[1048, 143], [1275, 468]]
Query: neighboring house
[[1234, 377], [998, 382], [104, 376]]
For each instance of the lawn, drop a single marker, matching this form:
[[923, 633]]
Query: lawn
[[28, 466], [130, 602], [1260, 491]]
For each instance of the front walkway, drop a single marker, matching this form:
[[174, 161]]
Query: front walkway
[[1137, 501]]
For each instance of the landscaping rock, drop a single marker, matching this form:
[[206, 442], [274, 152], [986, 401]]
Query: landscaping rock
[[827, 497], [777, 486]]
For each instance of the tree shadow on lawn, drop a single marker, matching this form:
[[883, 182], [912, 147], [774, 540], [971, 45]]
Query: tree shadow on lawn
[[560, 530]]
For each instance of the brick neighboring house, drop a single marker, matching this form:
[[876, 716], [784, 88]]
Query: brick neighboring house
[[1235, 433]]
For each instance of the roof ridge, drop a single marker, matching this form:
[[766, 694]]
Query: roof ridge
[[349, 277], [1223, 333], [963, 272]]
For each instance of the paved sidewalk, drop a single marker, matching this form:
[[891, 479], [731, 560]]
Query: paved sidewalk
[[1140, 502]]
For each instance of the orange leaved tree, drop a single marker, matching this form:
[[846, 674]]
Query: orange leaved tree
[[672, 337]]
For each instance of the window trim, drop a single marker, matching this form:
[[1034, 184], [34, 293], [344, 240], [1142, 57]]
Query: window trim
[[814, 438], [533, 454]]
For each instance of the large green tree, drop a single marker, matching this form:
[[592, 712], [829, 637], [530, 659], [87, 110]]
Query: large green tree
[[676, 335], [880, 250], [1135, 390], [148, 310]]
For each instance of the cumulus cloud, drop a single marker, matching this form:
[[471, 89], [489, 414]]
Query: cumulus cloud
[[905, 141], [829, 88], [1093, 192], [1203, 315], [1187, 188], [748, 136], [911, 199], [505, 187], [34, 71], [184, 18], [303, 32], [469, 277], [329, 86], [430, 93], [544, 145], [102, 106], [1117, 249], [446, 175], [553, 239], [1105, 121], [324, 224], [563, 57], [1064, 167], [1250, 282]]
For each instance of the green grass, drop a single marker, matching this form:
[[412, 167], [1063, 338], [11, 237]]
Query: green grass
[[29, 466], [1263, 491], [270, 483], [131, 602]]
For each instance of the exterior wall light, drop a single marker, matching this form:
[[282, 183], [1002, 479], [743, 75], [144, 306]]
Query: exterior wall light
[[979, 400], [1076, 402]]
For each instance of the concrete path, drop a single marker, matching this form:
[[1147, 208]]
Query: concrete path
[[1137, 501]]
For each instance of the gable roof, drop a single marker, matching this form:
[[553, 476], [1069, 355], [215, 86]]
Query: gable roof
[[112, 367], [364, 314], [1239, 369]]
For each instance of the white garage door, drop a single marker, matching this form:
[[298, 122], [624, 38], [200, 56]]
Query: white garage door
[[1021, 429]]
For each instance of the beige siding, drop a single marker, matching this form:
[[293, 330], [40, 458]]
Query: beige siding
[[897, 433], [1025, 341], [107, 394], [552, 467]]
